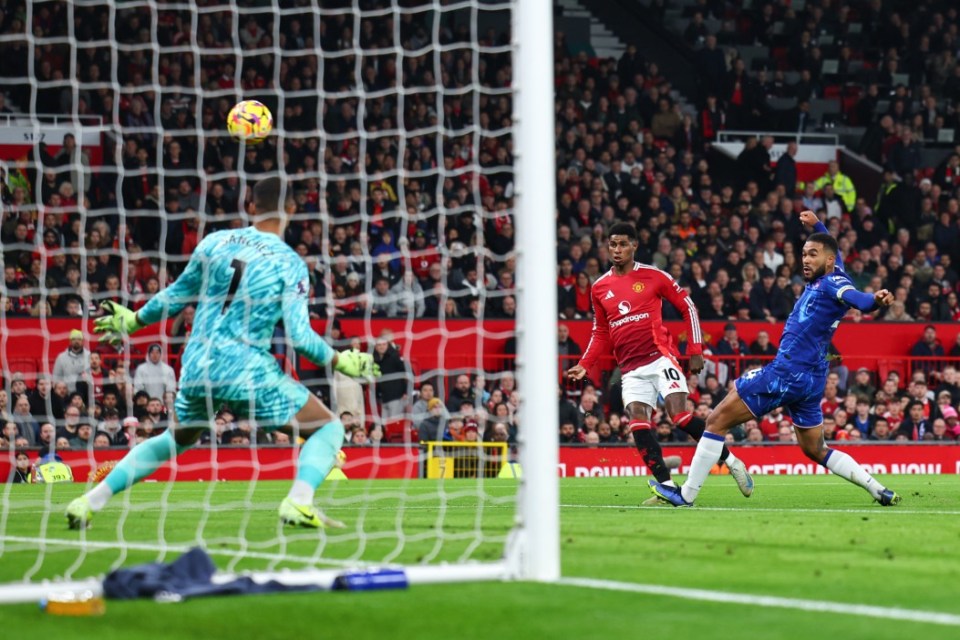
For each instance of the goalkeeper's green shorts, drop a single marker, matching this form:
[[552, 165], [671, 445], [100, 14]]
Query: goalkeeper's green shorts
[[272, 403]]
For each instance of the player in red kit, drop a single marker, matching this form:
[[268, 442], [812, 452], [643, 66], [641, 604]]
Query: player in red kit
[[627, 303]]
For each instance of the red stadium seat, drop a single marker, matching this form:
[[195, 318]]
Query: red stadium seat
[[886, 365], [29, 367], [398, 430]]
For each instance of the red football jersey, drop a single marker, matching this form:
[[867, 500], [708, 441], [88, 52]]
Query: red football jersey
[[627, 314]]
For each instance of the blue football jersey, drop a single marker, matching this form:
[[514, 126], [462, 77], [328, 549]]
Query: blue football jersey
[[813, 321], [243, 282]]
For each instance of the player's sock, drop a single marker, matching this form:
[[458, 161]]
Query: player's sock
[[847, 468], [694, 427], [649, 448], [143, 460], [317, 457], [707, 454]]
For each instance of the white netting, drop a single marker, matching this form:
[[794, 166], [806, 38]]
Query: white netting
[[393, 127]]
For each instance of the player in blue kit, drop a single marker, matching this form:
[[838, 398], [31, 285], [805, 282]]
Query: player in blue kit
[[796, 377], [244, 281]]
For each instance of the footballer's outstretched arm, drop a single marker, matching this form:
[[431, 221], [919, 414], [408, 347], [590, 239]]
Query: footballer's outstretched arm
[[296, 321], [599, 344], [864, 301], [810, 219], [672, 291], [174, 298], [118, 321]]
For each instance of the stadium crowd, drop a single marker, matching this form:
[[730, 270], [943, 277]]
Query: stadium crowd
[[418, 190]]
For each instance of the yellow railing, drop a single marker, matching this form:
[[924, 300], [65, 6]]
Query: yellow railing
[[466, 459]]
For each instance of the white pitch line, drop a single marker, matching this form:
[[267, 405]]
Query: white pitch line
[[269, 506], [142, 546], [874, 511], [869, 611]]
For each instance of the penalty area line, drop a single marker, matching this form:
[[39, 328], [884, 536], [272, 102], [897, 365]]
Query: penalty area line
[[864, 610], [876, 510]]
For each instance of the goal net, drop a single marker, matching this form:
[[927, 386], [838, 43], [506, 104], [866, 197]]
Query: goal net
[[411, 135]]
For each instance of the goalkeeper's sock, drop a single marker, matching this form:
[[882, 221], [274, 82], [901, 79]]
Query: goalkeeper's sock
[[650, 451], [707, 455], [694, 427], [143, 460], [317, 457], [850, 470]]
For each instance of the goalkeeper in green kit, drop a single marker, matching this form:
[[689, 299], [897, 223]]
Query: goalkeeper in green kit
[[243, 281]]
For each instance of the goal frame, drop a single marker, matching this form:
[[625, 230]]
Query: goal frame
[[532, 550]]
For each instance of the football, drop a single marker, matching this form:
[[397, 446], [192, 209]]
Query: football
[[250, 121]]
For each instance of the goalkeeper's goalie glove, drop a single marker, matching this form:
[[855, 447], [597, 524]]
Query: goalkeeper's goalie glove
[[355, 364], [117, 322]]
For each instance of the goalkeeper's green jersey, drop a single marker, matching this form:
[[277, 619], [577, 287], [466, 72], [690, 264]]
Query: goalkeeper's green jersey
[[243, 282]]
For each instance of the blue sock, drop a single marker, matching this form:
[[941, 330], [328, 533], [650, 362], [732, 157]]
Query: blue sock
[[143, 460], [319, 453]]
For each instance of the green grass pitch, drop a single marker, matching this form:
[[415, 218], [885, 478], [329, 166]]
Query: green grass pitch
[[807, 537]]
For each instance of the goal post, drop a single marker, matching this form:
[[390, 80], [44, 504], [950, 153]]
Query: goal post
[[539, 535], [40, 556]]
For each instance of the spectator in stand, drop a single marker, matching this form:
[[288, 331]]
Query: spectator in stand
[[73, 364], [862, 386], [407, 298], [71, 419], [127, 435], [768, 302], [5, 406], [897, 313], [862, 420], [915, 425], [731, 344], [568, 350], [83, 438], [27, 427], [420, 410], [786, 171], [952, 420], [568, 411], [462, 392], [47, 437], [568, 433], [382, 302], [157, 415], [762, 346], [955, 349], [109, 425], [18, 385], [44, 405], [430, 424], [92, 384], [9, 433], [154, 376], [499, 432], [392, 384], [841, 183], [950, 382], [21, 469], [927, 347]]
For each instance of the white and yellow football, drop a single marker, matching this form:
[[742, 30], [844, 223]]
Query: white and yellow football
[[250, 121]]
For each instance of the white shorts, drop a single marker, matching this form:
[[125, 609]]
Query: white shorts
[[659, 378]]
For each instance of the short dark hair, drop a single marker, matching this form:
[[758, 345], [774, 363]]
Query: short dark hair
[[826, 240], [266, 195], [624, 229]]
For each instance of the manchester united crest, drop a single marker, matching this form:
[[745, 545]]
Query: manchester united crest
[[638, 287]]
